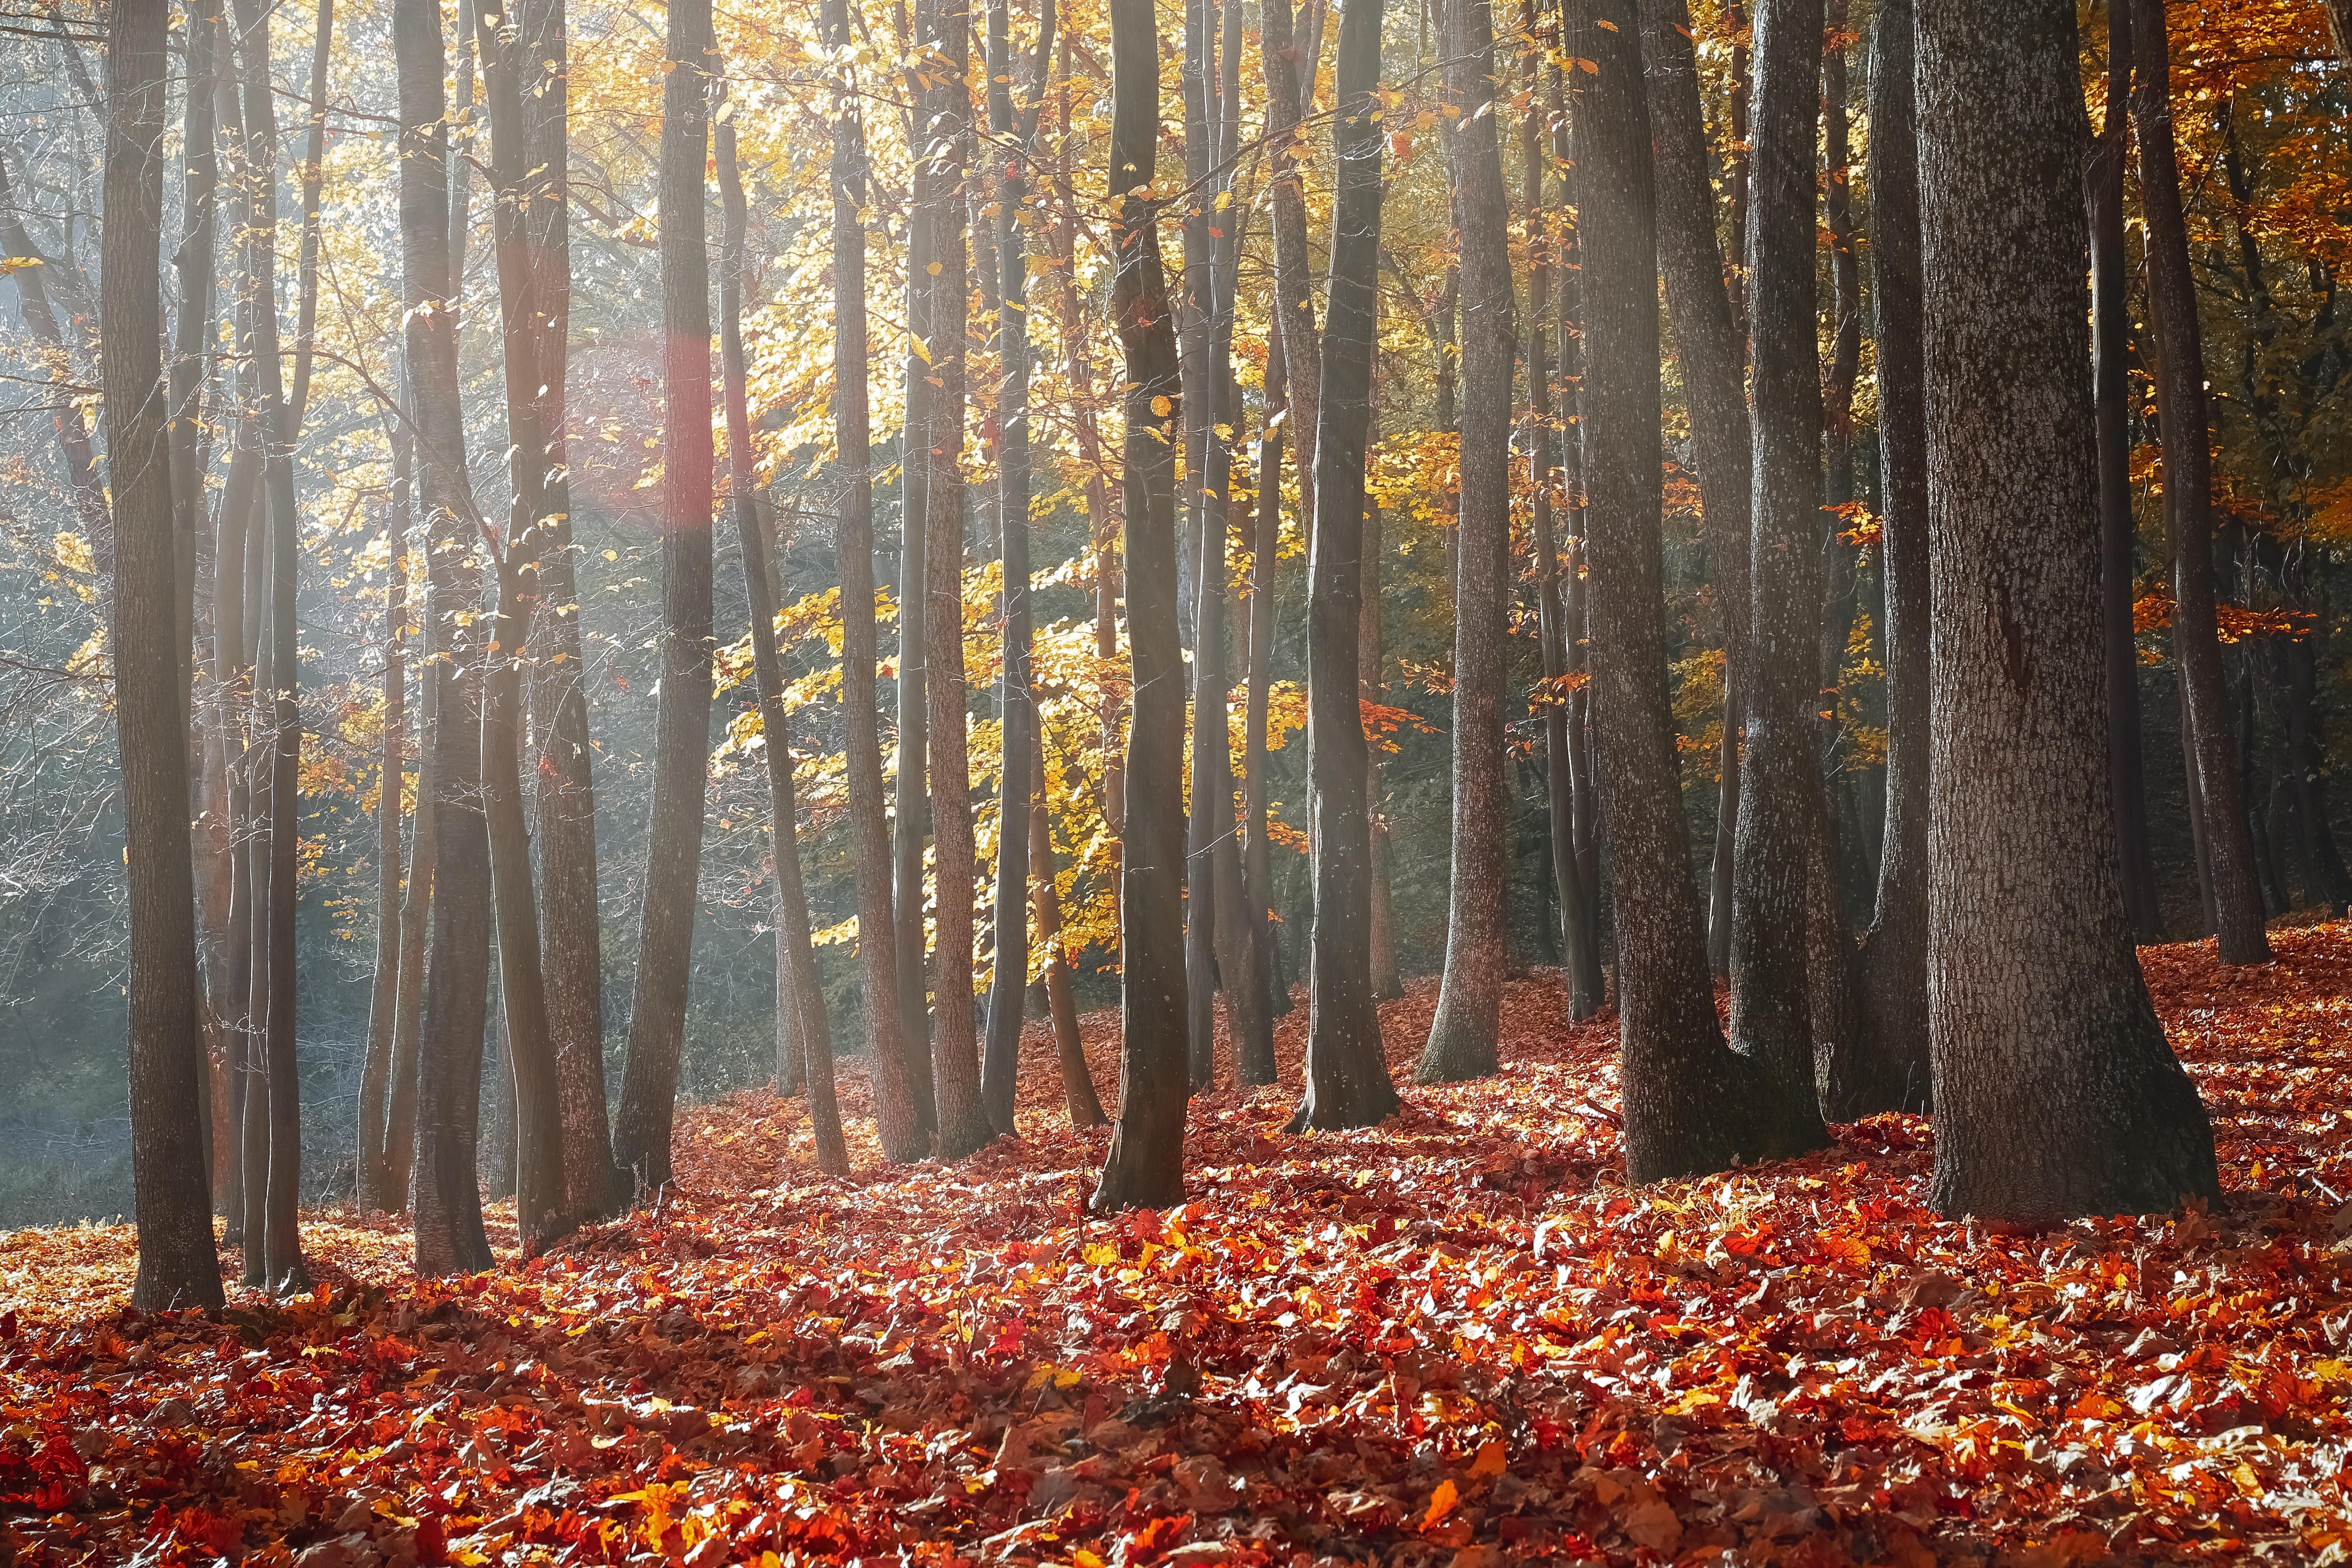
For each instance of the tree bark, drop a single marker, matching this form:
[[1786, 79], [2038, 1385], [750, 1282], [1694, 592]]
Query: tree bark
[[1195, 324], [1347, 1074], [878, 949], [641, 1131], [1289, 65], [1464, 1034], [2118, 528], [2189, 496], [1586, 979], [398, 1132], [1781, 792], [1709, 344], [1690, 1105], [1001, 1065], [1251, 1066], [2055, 1093], [1840, 558], [1886, 1066], [445, 1199], [177, 1264], [571, 934], [1145, 1167], [1372, 687]]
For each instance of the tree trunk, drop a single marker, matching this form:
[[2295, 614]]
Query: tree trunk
[[190, 370], [641, 1131], [2055, 1093], [1289, 65], [955, 1048], [800, 1000], [571, 934], [1780, 792], [399, 1129], [279, 843], [1250, 1067], [445, 1200], [1240, 925], [1690, 1105], [1464, 1034], [1078, 1084], [177, 1264], [1587, 981], [1196, 323], [1840, 558], [2188, 494], [540, 1216], [1372, 687], [2118, 529], [1001, 1067], [1347, 1074], [912, 820], [878, 950], [1145, 1167], [1885, 1067], [373, 1193]]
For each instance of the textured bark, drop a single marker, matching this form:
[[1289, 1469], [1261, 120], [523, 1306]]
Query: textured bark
[[1780, 812], [177, 1264], [640, 1130], [1145, 1167], [1464, 1033], [279, 842], [2118, 528], [2189, 496], [955, 1046], [877, 948], [1347, 1074], [374, 1193], [1690, 1105], [805, 1040], [1000, 1062], [2055, 1093], [540, 1216], [445, 1200], [1885, 1067], [571, 934]]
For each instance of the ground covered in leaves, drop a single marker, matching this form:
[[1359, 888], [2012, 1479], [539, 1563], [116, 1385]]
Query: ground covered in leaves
[[1457, 1340]]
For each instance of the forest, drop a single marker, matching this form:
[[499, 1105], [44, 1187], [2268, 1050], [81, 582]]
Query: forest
[[1094, 782]]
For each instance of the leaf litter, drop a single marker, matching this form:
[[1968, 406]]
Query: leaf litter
[[1456, 1339]]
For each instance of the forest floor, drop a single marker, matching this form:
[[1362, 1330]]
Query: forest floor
[[1456, 1339]]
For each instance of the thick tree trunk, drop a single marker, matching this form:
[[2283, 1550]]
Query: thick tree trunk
[[374, 1192], [540, 1216], [2118, 528], [641, 1131], [1145, 1167], [1347, 1074], [2055, 1093], [177, 1264], [801, 1026], [2188, 494], [1885, 1067], [1690, 1105], [1780, 798], [1000, 1064], [571, 934], [1464, 1034], [878, 949], [445, 1200]]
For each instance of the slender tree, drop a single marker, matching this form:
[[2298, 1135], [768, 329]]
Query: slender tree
[[1780, 792], [1464, 1034], [1195, 326], [2189, 496], [1690, 1104], [640, 1130], [1885, 1065], [374, 1192], [2055, 1092], [445, 1199], [1347, 1075], [177, 1264], [878, 951], [1288, 63], [1016, 124], [1145, 1167], [1070, 1057], [1371, 686], [800, 999], [1251, 1066]]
